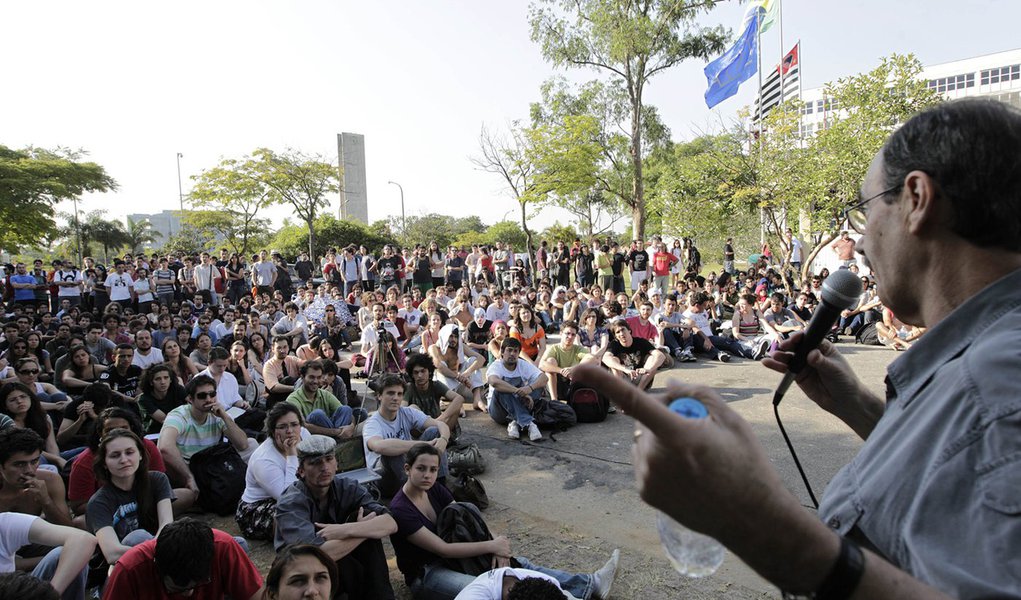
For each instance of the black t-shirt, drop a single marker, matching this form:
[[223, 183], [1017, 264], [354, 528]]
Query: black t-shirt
[[100, 284], [81, 438], [728, 253], [455, 273], [617, 263], [635, 355], [386, 268], [639, 260], [585, 264], [479, 335], [803, 312], [175, 397], [423, 272], [125, 384], [304, 269]]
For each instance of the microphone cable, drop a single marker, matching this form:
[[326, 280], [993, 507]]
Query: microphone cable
[[790, 446]]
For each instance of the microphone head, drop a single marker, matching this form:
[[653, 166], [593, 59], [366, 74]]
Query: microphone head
[[841, 289]]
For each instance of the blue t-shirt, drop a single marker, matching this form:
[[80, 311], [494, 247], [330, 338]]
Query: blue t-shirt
[[23, 293], [411, 558]]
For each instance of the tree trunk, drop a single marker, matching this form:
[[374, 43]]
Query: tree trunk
[[637, 186], [528, 234], [806, 267], [311, 240]]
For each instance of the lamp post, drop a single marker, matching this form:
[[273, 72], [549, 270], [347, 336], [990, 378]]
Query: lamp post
[[77, 230], [404, 221], [180, 188]]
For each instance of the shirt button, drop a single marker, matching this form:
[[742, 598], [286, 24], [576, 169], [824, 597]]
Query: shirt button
[[834, 523]]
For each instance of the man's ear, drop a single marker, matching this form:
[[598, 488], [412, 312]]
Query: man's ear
[[921, 192]]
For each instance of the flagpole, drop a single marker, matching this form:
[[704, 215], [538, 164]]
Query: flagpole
[[762, 131]]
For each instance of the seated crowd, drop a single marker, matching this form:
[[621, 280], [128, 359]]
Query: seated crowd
[[122, 390]]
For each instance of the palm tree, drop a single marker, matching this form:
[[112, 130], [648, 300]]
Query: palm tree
[[140, 233]]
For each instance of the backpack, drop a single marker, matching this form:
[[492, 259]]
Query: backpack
[[868, 335], [588, 405], [462, 522], [468, 488], [219, 472], [466, 459], [557, 416]]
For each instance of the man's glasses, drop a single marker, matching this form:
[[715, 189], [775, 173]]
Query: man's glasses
[[175, 589], [205, 395], [855, 214]]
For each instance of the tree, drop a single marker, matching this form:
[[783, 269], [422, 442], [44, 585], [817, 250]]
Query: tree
[[139, 234], [433, 227], [631, 41], [242, 236], [304, 182], [190, 240], [559, 233], [108, 234], [33, 181], [330, 231], [235, 191], [511, 159], [508, 232]]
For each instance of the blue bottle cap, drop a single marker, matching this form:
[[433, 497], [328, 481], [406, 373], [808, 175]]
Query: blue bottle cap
[[689, 408]]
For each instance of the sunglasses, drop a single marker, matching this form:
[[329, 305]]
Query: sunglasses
[[29, 371], [205, 395]]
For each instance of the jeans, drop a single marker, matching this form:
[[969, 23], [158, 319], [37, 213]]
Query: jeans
[[722, 344], [344, 415], [506, 406], [675, 340], [663, 283], [364, 572], [392, 467], [48, 566]]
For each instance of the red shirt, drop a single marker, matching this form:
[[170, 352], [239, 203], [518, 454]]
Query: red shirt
[[82, 484], [646, 332], [232, 573], [661, 262]]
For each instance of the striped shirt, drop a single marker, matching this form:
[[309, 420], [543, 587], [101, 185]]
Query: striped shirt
[[193, 437]]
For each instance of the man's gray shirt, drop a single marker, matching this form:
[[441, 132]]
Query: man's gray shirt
[[298, 512], [936, 488]]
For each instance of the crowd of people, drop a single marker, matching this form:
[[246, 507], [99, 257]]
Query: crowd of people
[[119, 381]]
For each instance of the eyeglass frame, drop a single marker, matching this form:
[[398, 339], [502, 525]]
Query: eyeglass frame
[[858, 207]]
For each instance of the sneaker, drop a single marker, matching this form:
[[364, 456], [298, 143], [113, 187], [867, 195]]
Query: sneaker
[[513, 431], [687, 355], [533, 432], [602, 580], [612, 410], [678, 353], [723, 357], [762, 349]]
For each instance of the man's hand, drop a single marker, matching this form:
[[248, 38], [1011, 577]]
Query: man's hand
[[365, 516], [335, 531], [566, 372], [242, 404], [522, 392], [827, 377], [35, 489], [345, 432], [440, 444]]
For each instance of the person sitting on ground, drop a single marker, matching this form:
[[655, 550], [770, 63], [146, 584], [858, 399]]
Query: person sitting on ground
[[635, 359], [560, 359], [514, 386], [749, 328], [426, 392], [50, 398], [134, 503], [479, 332], [338, 515], [20, 403], [82, 370], [696, 320], [783, 320], [893, 333], [302, 571], [642, 326], [65, 567], [280, 372], [421, 551], [189, 558], [526, 330], [458, 367], [199, 424], [391, 431], [323, 413], [271, 470], [673, 334], [80, 416]]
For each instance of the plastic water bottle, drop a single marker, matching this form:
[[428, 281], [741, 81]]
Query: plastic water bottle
[[691, 553]]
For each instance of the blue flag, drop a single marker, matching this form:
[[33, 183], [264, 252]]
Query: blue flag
[[738, 63]]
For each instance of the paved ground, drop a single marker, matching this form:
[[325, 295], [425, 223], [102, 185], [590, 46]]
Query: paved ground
[[568, 503]]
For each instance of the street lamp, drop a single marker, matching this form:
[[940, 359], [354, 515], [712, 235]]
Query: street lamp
[[404, 221]]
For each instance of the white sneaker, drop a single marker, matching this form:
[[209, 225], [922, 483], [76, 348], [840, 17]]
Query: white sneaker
[[533, 432], [602, 580], [513, 431]]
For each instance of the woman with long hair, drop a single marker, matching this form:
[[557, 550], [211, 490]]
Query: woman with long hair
[[237, 282], [174, 355], [591, 332], [20, 403], [134, 503], [526, 330], [302, 571], [16, 351], [239, 366], [34, 339], [500, 331], [258, 350], [272, 468], [431, 334], [81, 372], [677, 269], [421, 553], [162, 392]]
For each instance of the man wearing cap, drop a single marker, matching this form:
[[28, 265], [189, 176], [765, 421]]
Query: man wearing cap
[[337, 514]]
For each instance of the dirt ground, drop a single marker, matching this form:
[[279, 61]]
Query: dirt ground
[[568, 503]]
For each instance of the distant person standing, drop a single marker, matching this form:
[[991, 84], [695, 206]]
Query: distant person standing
[[797, 250], [844, 247], [728, 256]]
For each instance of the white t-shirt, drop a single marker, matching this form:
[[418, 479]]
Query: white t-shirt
[[370, 337], [525, 370], [700, 320], [119, 286], [413, 316], [489, 585], [227, 393], [270, 473], [495, 313], [13, 535], [154, 357], [70, 291], [408, 418]]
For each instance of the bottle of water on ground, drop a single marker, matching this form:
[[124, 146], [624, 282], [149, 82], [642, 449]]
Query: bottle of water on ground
[[691, 553]]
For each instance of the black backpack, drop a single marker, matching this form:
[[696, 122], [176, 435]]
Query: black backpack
[[868, 335], [589, 405], [557, 416], [219, 472], [462, 522]]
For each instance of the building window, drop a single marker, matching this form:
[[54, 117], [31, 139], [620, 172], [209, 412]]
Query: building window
[[1001, 74], [806, 109]]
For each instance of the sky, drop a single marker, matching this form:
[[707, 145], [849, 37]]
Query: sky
[[136, 83]]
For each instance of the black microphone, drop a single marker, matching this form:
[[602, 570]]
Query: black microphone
[[840, 292]]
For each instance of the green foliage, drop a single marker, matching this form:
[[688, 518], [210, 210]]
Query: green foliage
[[139, 234], [559, 233], [232, 194], [509, 232], [304, 182], [433, 227], [330, 232], [32, 182], [190, 240], [630, 41]]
